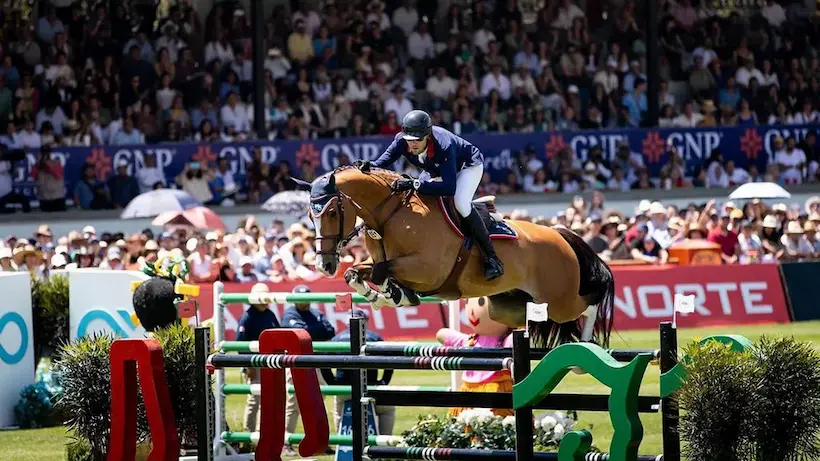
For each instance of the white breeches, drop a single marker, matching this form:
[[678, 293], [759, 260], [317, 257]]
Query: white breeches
[[467, 181]]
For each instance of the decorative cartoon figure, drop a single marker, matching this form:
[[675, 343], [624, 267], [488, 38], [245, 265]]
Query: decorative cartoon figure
[[486, 333], [157, 301]]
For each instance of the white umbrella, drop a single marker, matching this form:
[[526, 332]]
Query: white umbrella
[[761, 190], [290, 202], [152, 203]]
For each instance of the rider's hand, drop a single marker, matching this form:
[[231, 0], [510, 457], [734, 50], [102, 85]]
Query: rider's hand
[[401, 185]]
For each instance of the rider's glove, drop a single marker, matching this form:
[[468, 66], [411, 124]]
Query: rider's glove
[[401, 185]]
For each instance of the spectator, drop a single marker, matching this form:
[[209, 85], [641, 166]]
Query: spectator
[[791, 161], [48, 177], [246, 273], [122, 186], [810, 236], [635, 103], [300, 45], [202, 263], [7, 193], [795, 245], [195, 179], [113, 260], [151, 176], [256, 319], [398, 104], [751, 248], [645, 248], [726, 238], [235, 116], [29, 259], [129, 135]]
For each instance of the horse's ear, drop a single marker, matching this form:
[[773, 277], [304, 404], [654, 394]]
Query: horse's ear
[[301, 185], [331, 181]]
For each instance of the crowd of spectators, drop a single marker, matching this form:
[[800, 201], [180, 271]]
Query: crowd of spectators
[[85, 73], [746, 234]]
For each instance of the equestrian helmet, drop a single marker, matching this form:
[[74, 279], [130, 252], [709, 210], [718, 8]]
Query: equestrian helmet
[[416, 125]]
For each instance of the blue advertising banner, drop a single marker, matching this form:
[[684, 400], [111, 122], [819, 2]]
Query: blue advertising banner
[[744, 145], [345, 453]]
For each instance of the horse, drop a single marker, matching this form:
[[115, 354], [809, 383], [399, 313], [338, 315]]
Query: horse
[[417, 248]]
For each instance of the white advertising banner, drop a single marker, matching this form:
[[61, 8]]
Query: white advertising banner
[[101, 301], [16, 342]]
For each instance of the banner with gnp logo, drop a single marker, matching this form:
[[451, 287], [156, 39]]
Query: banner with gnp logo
[[16, 342]]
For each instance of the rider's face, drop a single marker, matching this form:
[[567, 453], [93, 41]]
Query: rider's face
[[418, 146]]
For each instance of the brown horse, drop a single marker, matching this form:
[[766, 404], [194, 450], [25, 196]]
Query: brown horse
[[415, 249]]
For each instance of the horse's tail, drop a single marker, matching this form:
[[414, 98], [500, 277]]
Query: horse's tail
[[597, 287]]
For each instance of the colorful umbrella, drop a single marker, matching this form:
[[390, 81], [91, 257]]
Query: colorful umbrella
[[199, 217], [152, 203]]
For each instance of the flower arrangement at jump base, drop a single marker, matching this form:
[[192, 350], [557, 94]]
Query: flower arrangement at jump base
[[481, 429]]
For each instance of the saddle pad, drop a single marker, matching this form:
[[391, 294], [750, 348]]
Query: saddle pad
[[497, 229]]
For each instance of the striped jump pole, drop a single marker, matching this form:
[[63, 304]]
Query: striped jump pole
[[467, 454], [319, 346], [294, 439], [357, 362], [256, 389], [221, 299], [429, 349], [283, 298], [437, 350]]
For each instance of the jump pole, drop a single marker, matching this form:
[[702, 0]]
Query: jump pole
[[219, 378]]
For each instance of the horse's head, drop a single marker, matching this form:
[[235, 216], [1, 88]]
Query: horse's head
[[334, 219]]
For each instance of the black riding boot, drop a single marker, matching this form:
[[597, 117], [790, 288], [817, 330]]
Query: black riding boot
[[493, 268]]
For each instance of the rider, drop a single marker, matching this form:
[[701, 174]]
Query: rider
[[459, 164]]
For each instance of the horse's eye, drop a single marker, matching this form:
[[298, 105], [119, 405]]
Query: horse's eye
[[332, 213]]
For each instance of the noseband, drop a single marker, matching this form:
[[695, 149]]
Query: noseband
[[319, 205]]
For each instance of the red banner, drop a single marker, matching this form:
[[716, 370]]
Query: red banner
[[725, 295]]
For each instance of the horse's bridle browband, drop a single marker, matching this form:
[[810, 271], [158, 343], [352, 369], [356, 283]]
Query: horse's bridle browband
[[341, 242]]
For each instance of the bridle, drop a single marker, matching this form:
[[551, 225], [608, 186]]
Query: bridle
[[340, 239]]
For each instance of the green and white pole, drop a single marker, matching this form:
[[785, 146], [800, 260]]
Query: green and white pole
[[256, 389], [294, 439]]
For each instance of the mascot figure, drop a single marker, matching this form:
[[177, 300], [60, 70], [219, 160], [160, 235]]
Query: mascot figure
[[157, 301], [486, 333]]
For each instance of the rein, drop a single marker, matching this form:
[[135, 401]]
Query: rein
[[340, 240]]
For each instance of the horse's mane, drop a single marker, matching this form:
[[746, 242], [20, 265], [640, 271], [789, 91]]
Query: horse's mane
[[388, 175]]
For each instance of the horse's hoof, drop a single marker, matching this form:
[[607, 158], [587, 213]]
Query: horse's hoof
[[351, 276]]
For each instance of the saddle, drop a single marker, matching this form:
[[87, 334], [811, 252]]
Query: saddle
[[485, 207], [496, 227]]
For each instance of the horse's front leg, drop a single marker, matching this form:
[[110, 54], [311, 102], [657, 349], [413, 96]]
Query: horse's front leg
[[357, 277], [390, 293]]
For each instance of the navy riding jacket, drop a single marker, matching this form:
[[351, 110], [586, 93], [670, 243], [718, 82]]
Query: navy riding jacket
[[447, 154]]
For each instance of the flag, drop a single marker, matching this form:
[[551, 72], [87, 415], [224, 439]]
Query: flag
[[537, 312], [685, 304]]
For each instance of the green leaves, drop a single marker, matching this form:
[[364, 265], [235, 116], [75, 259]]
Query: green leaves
[[49, 303], [762, 404], [86, 378], [788, 421]]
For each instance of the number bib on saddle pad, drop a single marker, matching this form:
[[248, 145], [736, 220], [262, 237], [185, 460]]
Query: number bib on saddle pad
[[496, 229]]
